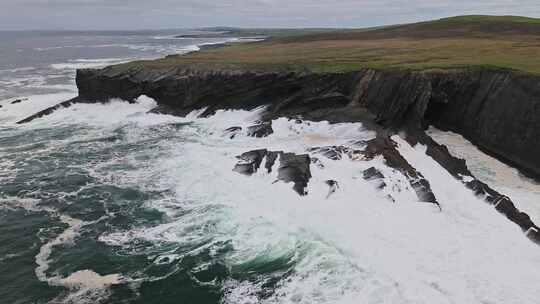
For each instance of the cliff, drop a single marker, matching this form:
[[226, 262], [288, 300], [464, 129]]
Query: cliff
[[497, 110], [391, 79]]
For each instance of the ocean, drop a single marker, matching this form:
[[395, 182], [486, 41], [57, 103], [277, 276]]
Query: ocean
[[108, 203]]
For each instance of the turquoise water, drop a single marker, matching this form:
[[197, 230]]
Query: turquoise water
[[52, 170], [138, 197]]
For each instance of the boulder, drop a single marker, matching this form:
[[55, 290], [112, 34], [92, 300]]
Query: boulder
[[260, 130], [374, 175], [250, 161], [292, 168], [333, 186], [295, 168]]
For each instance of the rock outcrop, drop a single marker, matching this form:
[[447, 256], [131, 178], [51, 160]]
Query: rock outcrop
[[385, 147], [292, 168], [497, 110], [19, 100], [261, 130]]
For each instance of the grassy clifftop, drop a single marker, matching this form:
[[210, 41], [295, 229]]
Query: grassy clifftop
[[506, 42]]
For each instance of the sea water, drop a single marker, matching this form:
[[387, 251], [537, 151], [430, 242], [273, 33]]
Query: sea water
[[107, 203]]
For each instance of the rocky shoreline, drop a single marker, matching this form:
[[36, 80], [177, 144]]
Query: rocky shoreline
[[497, 110]]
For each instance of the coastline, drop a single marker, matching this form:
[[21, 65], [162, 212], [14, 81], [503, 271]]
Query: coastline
[[469, 101], [389, 102]]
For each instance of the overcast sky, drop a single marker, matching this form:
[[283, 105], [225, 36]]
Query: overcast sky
[[159, 14]]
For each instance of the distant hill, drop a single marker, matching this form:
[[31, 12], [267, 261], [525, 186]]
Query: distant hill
[[501, 42], [471, 26], [222, 31]]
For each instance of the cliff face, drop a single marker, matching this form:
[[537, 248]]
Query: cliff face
[[497, 110]]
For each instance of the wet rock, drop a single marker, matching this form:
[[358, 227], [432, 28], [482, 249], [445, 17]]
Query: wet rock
[[250, 161], [458, 168], [331, 152], [292, 168], [423, 190], [233, 129], [232, 132], [260, 130], [337, 152], [496, 109], [49, 110], [505, 206], [271, 160], [374, 175], [295, 168], [333, 186], [533, 234], [481, 189], [384, 146], [317, 162]]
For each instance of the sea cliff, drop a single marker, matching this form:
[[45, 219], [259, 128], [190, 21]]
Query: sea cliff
[[497, 110]]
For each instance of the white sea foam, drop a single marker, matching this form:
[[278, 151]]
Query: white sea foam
[[28, 80], [354, 247], [85, 285], [11, 113], [525, 193], [114, 113]]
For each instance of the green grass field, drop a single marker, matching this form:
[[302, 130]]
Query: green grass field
[[503, 42]]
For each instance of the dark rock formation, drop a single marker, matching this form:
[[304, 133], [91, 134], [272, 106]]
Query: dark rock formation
[[337, 152], [49, 110], [497, 110], [292, 168], [333, 186], [387, 148], [250, 161], [457, 167], [375, 176], [17, 101], [181, 90], [317, 162], [295, 168], [372, 174], [261, 130]]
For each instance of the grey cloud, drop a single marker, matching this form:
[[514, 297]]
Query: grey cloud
[[137, 14]]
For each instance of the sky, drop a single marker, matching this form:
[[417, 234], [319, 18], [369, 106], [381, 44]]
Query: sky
[[167, 14]]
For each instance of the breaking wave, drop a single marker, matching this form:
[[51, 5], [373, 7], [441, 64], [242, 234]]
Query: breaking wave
[[162, 192]]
